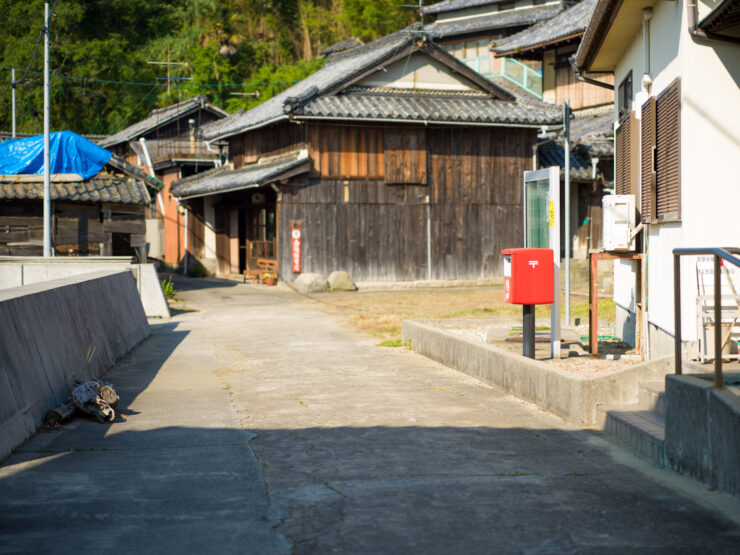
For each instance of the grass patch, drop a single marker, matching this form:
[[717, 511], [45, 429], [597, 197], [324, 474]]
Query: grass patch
[[391, 343], [381, 313]]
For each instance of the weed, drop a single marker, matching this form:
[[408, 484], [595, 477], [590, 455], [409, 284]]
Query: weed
[[197, 271], [515, 473], [408, 344], [391, 343], [327, 484], [168, 288], [72, 448]]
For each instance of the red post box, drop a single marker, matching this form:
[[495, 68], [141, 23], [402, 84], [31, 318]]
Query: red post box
[[528, 276]]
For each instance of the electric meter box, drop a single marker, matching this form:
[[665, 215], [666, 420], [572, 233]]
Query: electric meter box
[[528, 276], [619, 222]]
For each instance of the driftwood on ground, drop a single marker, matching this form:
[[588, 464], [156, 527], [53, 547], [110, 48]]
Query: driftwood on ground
[[96, 398]]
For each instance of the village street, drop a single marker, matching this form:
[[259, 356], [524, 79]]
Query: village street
[[256, 423]]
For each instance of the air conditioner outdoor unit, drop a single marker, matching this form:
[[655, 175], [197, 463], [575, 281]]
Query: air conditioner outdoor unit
[[619, 222]]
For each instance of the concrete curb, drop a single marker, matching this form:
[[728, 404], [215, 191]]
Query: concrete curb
[[57, 332], [571, 397]]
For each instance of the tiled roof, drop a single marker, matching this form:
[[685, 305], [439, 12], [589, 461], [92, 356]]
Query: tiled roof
[[427, 106], [101, 188], [553, 154], [311, 96], [5, 135], [225, 179], [593, 125], [341, 46], [161, 116], [572, 21], [337, 69], [498, 20], [454, 5]]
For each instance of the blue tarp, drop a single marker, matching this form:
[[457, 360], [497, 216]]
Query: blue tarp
[[69, 153]]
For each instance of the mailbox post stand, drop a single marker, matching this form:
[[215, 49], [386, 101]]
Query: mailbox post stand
[[528, 330]]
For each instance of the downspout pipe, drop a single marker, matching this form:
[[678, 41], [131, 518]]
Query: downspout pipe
[[585, 79], [695, 32]]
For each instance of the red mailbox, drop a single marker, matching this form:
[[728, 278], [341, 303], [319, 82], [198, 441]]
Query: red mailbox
[[528, 276]]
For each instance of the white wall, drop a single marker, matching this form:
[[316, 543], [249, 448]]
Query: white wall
[[710, 152], [418, 71]]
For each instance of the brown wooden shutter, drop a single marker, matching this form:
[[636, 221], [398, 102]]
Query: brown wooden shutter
[[622, 177], [668, 149], [647, 182], [405, 155]]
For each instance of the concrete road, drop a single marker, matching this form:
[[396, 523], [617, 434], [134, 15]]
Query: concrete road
[[256, 423]]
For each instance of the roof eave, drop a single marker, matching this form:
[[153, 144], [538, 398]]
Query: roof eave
[[289, 172], [426, 122], [554, 42], [217, 137], [176, 115], [608, 34]]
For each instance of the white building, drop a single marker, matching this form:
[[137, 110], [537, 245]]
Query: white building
[[677, 103]]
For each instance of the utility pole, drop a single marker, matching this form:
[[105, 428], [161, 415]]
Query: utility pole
[[12, 86], [168, 65], [47, 176], [566, 136]]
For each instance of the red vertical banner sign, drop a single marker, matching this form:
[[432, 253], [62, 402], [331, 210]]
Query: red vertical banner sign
[[295, 246]]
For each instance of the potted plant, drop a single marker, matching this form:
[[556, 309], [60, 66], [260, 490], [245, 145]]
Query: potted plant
[[269, 279]]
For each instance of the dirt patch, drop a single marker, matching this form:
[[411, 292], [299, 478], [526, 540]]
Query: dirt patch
[[381, 313]]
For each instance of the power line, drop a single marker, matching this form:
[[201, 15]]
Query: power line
[[150, 84]]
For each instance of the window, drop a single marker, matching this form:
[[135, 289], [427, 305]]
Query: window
[[661, 156], [624, 98], [627, 155]]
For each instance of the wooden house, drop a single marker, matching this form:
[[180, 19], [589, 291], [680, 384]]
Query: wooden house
[[396, 160], [550, 45], [103, 215], [167, 144]]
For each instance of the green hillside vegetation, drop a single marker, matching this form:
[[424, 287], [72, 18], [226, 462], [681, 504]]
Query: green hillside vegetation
[[229, 46]]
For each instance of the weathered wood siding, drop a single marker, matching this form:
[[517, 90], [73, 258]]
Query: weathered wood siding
[[77, 228], [376, 229], [269, 141]]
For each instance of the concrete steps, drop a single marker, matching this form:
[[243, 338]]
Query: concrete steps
[[641, 425]]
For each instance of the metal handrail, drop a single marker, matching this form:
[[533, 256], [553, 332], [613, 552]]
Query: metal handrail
[[718, 254]]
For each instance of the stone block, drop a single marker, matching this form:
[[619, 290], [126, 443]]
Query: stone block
[[340, 281], [311, 283]]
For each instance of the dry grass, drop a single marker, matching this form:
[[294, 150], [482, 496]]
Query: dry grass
[[382, 312]]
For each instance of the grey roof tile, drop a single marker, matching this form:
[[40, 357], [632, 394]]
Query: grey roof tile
[[101, 188], [454, 5], [225, 179], [572, 21], [498, 20], [305, 98], [158, 117], [337, 69], [429, 106]]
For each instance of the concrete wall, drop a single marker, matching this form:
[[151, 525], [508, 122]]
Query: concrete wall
[[702, 431], [16, 271], [710, 148], [56, 332], [570, 396]]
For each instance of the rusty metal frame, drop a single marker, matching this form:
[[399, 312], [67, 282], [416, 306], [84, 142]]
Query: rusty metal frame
[[593, 298]]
